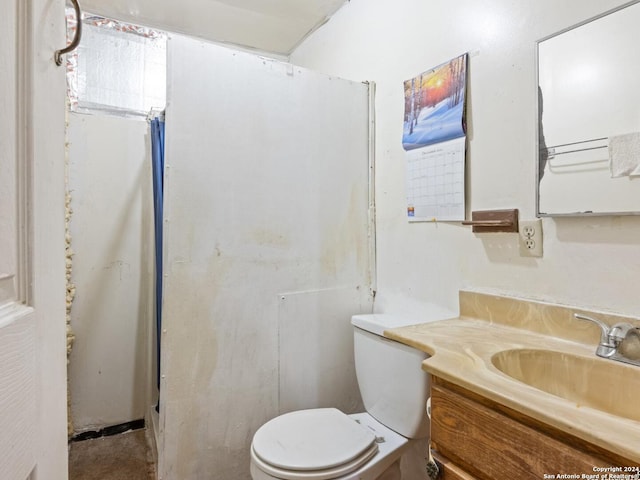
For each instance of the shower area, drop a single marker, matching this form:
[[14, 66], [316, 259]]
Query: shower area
[[255, 257], [116, 97]]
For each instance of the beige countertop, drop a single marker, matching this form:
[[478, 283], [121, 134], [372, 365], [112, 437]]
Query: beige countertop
[[461, 350]]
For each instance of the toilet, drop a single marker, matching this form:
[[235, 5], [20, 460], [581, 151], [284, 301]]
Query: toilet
[[327, 444]]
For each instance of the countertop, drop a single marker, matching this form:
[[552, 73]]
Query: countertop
[[461, 351]]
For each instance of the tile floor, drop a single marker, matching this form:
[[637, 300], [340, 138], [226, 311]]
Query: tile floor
[[125, 456]]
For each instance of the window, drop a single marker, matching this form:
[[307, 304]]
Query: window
[[118, 68]]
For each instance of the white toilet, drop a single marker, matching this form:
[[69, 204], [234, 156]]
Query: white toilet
[[324, 443]]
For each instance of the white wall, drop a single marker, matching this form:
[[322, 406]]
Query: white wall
[[45, 100], [112, 237], [266, 251], [587, 261]]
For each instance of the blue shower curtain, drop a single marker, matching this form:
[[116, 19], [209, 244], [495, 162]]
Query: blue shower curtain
[[157, 160]]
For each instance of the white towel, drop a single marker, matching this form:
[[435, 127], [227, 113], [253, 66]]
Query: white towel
[[624, 155]]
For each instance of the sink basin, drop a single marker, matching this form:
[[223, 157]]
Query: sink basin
[[593, 382]]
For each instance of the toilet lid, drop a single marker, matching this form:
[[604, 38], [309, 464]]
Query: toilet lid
[[317, 439]]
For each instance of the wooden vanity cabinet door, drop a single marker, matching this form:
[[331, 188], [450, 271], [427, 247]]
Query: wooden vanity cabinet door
[[449, 470], [484, 442]]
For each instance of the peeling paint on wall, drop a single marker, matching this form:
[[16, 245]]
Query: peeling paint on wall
[[70, 287]]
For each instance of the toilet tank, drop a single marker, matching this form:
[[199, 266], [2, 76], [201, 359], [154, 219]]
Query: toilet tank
[[393, 386]]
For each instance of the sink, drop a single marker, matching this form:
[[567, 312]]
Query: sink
[[592, 382]]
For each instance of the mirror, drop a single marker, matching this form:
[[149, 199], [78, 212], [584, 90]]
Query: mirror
[[589, 117]]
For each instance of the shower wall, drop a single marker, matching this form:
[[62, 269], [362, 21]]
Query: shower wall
[[112, 237], [266, 251]]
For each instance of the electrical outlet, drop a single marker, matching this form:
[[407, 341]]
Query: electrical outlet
[[530, 238]]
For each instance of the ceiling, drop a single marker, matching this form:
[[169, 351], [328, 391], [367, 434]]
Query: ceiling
[[276, 26]]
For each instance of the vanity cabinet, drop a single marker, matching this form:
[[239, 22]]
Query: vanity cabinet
[[476, 438]]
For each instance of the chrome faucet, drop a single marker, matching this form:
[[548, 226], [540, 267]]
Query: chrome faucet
[[611, 338]]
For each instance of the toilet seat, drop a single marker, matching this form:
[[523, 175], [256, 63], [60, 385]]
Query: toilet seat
[[319, 444], [326, 474]]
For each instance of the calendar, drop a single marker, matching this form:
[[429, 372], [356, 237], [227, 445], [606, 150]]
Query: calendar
[[434, 138], [435, 182]]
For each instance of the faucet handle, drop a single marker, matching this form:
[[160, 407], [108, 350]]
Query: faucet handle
[[604, 329], [603, 326]]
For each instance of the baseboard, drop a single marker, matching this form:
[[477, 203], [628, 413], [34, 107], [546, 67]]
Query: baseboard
[[108, 431]]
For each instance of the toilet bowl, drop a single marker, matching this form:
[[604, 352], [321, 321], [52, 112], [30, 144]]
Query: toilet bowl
[[327, 444]]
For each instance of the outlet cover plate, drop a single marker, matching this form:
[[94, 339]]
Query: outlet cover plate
[[530, 234]]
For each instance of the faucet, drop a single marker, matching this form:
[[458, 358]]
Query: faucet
[[611, 338]]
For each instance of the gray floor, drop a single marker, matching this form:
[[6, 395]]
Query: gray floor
[[118, 457]]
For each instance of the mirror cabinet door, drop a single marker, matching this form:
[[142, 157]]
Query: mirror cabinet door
[[589, 117]]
